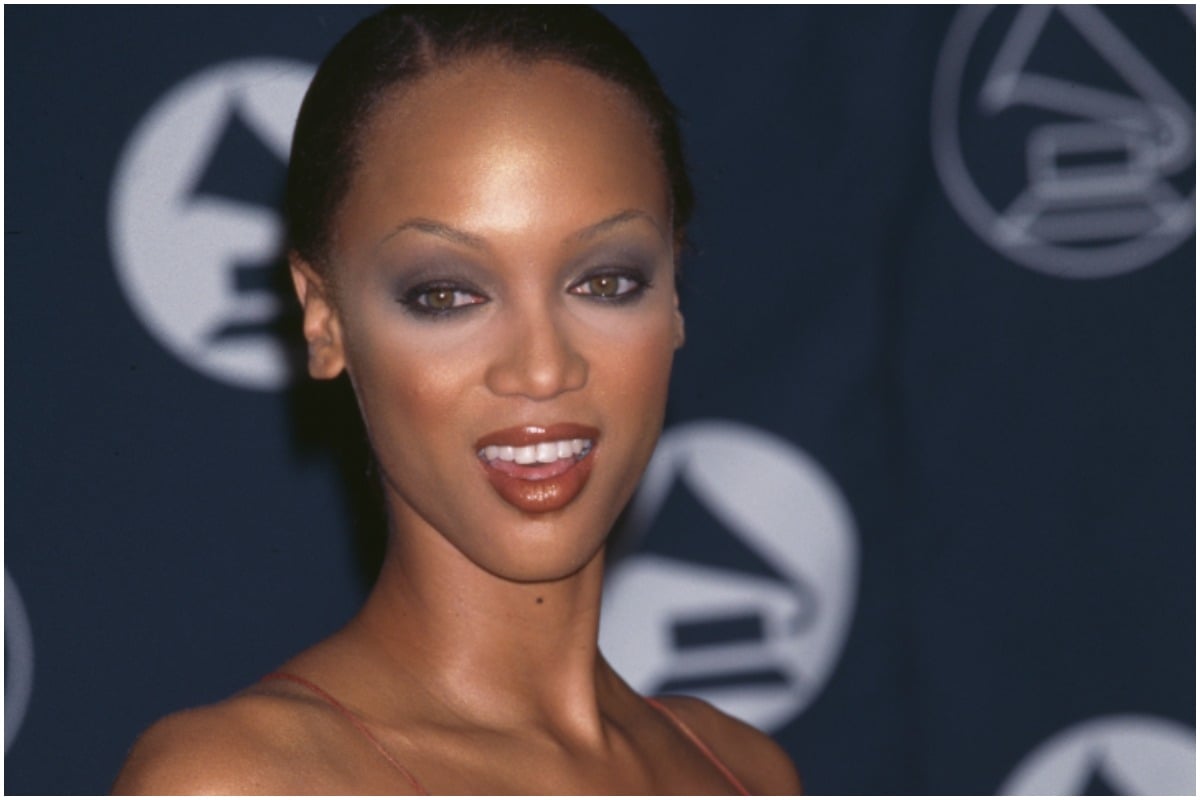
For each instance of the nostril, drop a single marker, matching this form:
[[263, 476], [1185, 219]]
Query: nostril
[[539, 365]]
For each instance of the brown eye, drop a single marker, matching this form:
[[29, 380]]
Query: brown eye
[[440, 299], [604, 286], [436, 301], [612, 287]]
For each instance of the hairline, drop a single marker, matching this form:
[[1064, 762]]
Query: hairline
[[458, 59]]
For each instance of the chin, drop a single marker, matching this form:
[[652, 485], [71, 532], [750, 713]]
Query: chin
[[551, 548]]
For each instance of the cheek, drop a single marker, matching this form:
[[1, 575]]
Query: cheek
[[630, 383], [632, 368], [406, 378]]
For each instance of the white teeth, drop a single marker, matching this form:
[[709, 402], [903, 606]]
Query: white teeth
[[543, 453]]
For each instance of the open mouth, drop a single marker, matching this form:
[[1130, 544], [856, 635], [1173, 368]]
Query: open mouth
[[537, 462], [536, 469]]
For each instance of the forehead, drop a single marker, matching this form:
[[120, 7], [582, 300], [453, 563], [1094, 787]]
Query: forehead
[[497, 148]]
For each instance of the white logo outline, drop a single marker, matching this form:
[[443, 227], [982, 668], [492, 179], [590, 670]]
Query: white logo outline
[[784, 506], [173, 252], [18, 658], [1156, 130], [1132, 753]]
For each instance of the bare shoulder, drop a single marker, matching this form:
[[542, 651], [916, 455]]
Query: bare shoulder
[[253, 743], [755, 758]]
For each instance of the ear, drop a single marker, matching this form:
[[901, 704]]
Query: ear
[[678, 323], [680, 244], [322, 327]]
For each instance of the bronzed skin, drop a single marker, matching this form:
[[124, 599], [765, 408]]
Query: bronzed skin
[[521, 190]]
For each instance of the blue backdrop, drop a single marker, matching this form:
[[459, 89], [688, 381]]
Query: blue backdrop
[[925, 505]]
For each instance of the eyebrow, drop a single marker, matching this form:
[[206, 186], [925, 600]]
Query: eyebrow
[[620, 218], [435, 228]]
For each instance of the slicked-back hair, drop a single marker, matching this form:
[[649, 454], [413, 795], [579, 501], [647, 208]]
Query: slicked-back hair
[[404, 43]]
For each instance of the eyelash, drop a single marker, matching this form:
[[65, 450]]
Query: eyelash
[[640, 283], [411, 299], [635, 285]]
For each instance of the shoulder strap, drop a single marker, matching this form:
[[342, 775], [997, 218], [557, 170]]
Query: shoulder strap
[[354, 720], [700, 745]]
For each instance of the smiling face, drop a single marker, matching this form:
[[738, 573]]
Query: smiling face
[[503, 271]]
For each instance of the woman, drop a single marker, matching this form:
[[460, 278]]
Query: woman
[[485, 208]]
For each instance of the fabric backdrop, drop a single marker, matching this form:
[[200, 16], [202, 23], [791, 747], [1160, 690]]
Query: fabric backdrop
[[924, 507]]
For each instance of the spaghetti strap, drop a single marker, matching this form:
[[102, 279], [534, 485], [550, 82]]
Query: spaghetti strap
[[354, 720], [696, 740], [362, 728]]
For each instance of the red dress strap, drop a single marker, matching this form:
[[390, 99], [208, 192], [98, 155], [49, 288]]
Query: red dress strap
[[353, 719], [696, 740]]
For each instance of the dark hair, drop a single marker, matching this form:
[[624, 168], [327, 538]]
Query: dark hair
[[404, 43]]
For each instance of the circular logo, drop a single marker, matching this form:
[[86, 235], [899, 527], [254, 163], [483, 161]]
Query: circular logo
[[194, 223], [1127, 755], [18, 661], [759, 634], [1060, 142]]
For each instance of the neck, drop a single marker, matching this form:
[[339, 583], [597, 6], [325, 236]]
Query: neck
[[486, 649]]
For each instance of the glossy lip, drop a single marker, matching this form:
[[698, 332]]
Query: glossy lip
[[539, 488]]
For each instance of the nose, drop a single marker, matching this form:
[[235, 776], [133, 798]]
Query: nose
[[536, 358]]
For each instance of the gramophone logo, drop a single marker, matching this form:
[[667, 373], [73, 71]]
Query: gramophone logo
[[18, 661], [194, 220], [1060, 139], [1118, 755], [757, 628]]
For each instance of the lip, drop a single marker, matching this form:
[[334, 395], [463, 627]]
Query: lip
[[525, 435], [539, 488]]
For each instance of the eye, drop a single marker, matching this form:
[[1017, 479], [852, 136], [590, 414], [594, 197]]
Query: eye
[[435, 300], [445, 299], [612, 286]]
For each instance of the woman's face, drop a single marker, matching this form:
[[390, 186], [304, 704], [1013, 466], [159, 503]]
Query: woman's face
[[503, 269]]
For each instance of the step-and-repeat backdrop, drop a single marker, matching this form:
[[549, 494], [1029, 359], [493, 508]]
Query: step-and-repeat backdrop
[[924, 507]]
